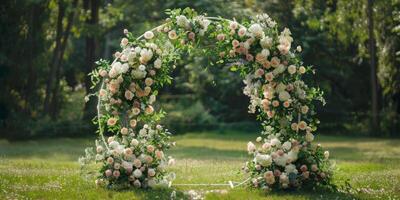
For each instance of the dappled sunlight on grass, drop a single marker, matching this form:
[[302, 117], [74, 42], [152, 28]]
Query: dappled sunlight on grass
[[48, 169]]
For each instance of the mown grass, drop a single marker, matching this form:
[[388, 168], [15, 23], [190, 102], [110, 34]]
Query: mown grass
[[48, 169]]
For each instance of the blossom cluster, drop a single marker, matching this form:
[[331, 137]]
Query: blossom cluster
[[272, 72]]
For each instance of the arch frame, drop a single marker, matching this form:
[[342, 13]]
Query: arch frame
[[273, 76]]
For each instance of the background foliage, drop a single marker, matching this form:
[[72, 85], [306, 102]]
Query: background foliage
[[48, 46]]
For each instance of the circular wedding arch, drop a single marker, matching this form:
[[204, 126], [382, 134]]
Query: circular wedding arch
[[272, 71]]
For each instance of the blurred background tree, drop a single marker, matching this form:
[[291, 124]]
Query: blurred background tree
[[48, 47]]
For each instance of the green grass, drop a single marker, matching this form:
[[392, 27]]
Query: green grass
[[48, 169]]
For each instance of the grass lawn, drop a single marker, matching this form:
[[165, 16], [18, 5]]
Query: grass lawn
[[48, 169]]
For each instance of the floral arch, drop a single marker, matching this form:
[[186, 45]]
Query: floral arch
[[272, 72]]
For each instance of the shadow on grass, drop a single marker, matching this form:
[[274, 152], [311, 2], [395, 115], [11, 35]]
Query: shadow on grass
[[206, 153], [148, 194], [254, 194]]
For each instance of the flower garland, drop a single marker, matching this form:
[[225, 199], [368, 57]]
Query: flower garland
[[134, 155]]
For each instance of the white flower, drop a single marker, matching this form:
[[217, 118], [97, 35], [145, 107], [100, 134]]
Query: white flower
[[292, 155], [138, 49], [233, 25], [117, 66], [148, 35], [284, 96], [265, 53], [281, 68], [124, 68], [281, 160], [326, 154], [142, 67], [146, 55], [284, 179], [292, 69], [256, 30], [302, 70], [304, 109], [113, 144], [242, 31], [291, 169], [182, 21], [280, 87], [152, 99], [151, 183], [137, 184], [287, 145], [172, 35], [171, 161], [157, 63], [138, 74], [298, 49], [264, 160], [134, 142], [266, 42], [137, 173], [124, 42], [259, 139], [151, 172], [251, 147], [275, 142], [309, 137]]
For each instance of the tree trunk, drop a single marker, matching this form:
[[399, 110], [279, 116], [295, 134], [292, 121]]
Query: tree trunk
[[373, 64], [54, 107], [56, 52], [91, 46]]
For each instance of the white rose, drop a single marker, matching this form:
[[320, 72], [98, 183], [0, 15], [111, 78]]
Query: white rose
[[287, 145], [281, 68], [131, 56], [266, 42], [124, 68], [284, 96], [264, 160], [291, 169], [148, 35], [281, 160], [142, 67], [265, 53], [134, 142], [137, 184], [157, 63], [117, 66], [251, 147], [146, 55], [113, 144], [309, 137], [256, 30], [138, 49], [151, 183], [326, 154], [275, 142], [182, 21], [112, 73], [233, 25], [304, 109], [137, 173], [302, 70], [280, 87], [292, 155], [292, 69]]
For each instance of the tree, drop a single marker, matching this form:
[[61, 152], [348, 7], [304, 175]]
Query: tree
[[61, 40], [372, 60], [91, 45]]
